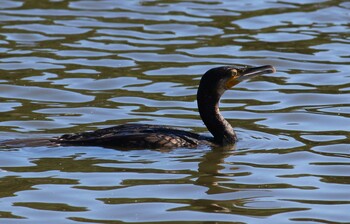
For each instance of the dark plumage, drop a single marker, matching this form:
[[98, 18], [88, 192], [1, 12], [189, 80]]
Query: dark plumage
[[135, 136], [212, 85]]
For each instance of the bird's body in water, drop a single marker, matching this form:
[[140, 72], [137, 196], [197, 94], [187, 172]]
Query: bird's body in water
[[134, 136]]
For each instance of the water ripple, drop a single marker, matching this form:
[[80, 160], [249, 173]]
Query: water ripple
[[71, 66], [42, 94]]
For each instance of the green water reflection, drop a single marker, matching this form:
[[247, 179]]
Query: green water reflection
[[69, 66]]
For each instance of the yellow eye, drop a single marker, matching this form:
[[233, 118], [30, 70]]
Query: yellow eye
[[232, 80], [234, 72]]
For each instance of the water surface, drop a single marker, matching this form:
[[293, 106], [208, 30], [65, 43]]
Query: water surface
[[69, 66]]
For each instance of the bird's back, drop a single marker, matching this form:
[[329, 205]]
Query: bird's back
[[135, 136]]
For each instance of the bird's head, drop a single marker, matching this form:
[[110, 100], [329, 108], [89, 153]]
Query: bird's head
[[217, 80]]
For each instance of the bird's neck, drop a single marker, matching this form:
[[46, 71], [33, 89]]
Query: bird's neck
[[208, 106]]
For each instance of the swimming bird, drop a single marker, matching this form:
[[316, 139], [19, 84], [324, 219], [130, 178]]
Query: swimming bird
[[212, 86]]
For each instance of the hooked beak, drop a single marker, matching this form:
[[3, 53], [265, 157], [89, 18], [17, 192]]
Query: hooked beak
[[238, 75], [255, 71]]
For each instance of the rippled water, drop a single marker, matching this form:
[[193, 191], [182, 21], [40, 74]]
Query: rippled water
[[69, 66]]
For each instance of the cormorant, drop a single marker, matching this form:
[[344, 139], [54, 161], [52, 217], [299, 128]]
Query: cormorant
[[211, 87]]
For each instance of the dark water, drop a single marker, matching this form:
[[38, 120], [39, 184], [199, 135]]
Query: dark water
[[69, 66]]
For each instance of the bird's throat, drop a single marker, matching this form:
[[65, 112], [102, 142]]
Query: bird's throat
[[217, 125]]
